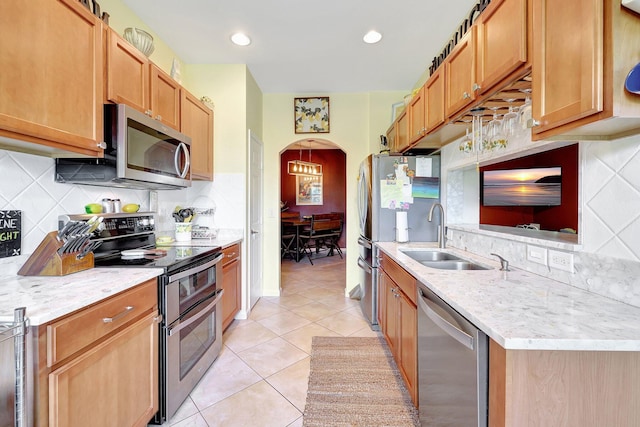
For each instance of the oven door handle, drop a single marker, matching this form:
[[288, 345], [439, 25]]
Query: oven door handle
[[197, 269], [218, 295]]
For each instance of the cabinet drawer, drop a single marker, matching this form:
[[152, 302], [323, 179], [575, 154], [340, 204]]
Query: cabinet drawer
[[76, 331], [230, 253], [404, 280]]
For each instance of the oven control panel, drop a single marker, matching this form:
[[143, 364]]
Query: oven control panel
[[116, 225]]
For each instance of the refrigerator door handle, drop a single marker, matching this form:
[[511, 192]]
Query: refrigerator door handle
[[363, 265], [362, 198], [364, 242]]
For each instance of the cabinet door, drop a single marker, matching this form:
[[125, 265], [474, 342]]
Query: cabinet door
[[402, 135], [408, 338], [51, 78], [231, 285], [389, 317], [112, 384], [197, 122], [460, 74], [416, 116], [164, 95], [567, 79], [127, 74], [434, 100], [502, 41]]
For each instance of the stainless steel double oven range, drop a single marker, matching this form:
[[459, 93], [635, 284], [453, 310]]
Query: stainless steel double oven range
[[189, 297]]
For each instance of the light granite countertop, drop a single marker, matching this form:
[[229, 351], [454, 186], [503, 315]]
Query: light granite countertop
[[523, 311], [49, 297]]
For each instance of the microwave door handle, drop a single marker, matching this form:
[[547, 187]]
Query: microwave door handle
[[173, 329], [176, 160]]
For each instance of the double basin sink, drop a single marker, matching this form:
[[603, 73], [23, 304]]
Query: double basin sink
[[441, 260]]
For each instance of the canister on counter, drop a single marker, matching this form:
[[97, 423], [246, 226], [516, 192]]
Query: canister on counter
[[117, 205], [107, 206]]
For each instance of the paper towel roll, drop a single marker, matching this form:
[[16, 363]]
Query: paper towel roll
[[632, 4], [402, 227]]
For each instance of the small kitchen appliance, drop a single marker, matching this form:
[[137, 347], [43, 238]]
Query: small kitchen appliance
[[189, 295]]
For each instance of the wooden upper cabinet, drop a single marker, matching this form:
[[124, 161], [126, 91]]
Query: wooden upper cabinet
[[51, 78], [127, 74], [567, 71], [460, 74], [416, 117], [502, 42], [197, 122], [164, 93], [434, 100], [402, 133], [582, 53]]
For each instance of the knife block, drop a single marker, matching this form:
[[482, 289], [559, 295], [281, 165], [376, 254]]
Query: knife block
[[46, 261]]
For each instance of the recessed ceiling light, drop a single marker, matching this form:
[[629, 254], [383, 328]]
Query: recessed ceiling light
[[372, 37], [241, 39]]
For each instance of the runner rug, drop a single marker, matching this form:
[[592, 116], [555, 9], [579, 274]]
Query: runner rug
[[355, 382]]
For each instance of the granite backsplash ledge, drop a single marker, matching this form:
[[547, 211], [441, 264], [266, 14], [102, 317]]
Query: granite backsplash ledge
[[613, 278]]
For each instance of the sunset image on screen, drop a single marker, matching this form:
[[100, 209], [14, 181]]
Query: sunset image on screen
[[522, 187]]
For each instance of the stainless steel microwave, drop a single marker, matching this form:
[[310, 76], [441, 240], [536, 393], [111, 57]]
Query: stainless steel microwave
[[140, 153]]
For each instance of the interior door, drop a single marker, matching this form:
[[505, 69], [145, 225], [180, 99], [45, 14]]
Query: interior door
[[256, 171]]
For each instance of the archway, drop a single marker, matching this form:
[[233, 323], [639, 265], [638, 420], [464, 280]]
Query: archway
[[332, 184]]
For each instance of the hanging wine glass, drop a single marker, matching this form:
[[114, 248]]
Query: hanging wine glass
[[510, 121], [524, 112], [466, 143], [495, 136]]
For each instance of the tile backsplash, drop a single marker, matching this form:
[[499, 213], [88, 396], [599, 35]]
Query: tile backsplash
[[27, 184]]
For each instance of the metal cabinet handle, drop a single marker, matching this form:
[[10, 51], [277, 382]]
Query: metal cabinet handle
[[128, 309], [476, 87], [102, 145], [531, 123], [158, 117], [466, 95]]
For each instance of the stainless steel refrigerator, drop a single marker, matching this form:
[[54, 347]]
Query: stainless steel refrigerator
[[378, 224]]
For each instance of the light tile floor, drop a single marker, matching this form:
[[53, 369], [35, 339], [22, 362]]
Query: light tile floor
[[261, 375]]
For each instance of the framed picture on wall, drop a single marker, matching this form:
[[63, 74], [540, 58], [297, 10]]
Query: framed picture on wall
[[311, 115], [309, 190]]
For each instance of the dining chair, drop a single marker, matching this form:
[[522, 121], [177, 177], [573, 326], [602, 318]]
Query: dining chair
[[320, 235]]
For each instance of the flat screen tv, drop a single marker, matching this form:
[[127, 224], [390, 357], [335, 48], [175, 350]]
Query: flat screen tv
[[522, 187]]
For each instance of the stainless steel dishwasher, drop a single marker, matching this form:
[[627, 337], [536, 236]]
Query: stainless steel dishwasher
[[452, 366], [13, 394]]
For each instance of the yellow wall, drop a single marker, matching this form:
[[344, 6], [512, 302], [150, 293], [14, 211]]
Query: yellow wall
[[356, 121], [121, 17]]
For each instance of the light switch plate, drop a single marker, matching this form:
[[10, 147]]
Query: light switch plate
[[561, 260], [537, 254]]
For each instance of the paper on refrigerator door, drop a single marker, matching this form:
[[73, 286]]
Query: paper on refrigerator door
[[424, 166], [394, 194]]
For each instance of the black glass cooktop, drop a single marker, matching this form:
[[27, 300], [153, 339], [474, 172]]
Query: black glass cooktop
[[175, 257]]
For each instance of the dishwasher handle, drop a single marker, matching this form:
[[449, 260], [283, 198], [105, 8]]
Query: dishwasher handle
[[452, 330]]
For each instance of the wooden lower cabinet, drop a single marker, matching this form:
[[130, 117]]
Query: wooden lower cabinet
[[112, 384], [231, 283], [563, 388], [108, 380], [399, 321]]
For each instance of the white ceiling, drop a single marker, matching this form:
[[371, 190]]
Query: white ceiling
[[306, 47]]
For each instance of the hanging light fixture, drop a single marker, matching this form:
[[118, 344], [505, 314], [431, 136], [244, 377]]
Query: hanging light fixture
[[302, 168]]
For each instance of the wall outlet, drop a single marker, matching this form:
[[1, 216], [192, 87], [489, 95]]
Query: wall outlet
[[537, 254], [561, 260]]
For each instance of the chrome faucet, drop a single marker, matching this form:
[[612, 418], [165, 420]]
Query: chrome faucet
[[441, 238], [504, 264]]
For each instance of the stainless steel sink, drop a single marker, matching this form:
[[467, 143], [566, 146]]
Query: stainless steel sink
[[441, 260], [453, 265], [429, 255]]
